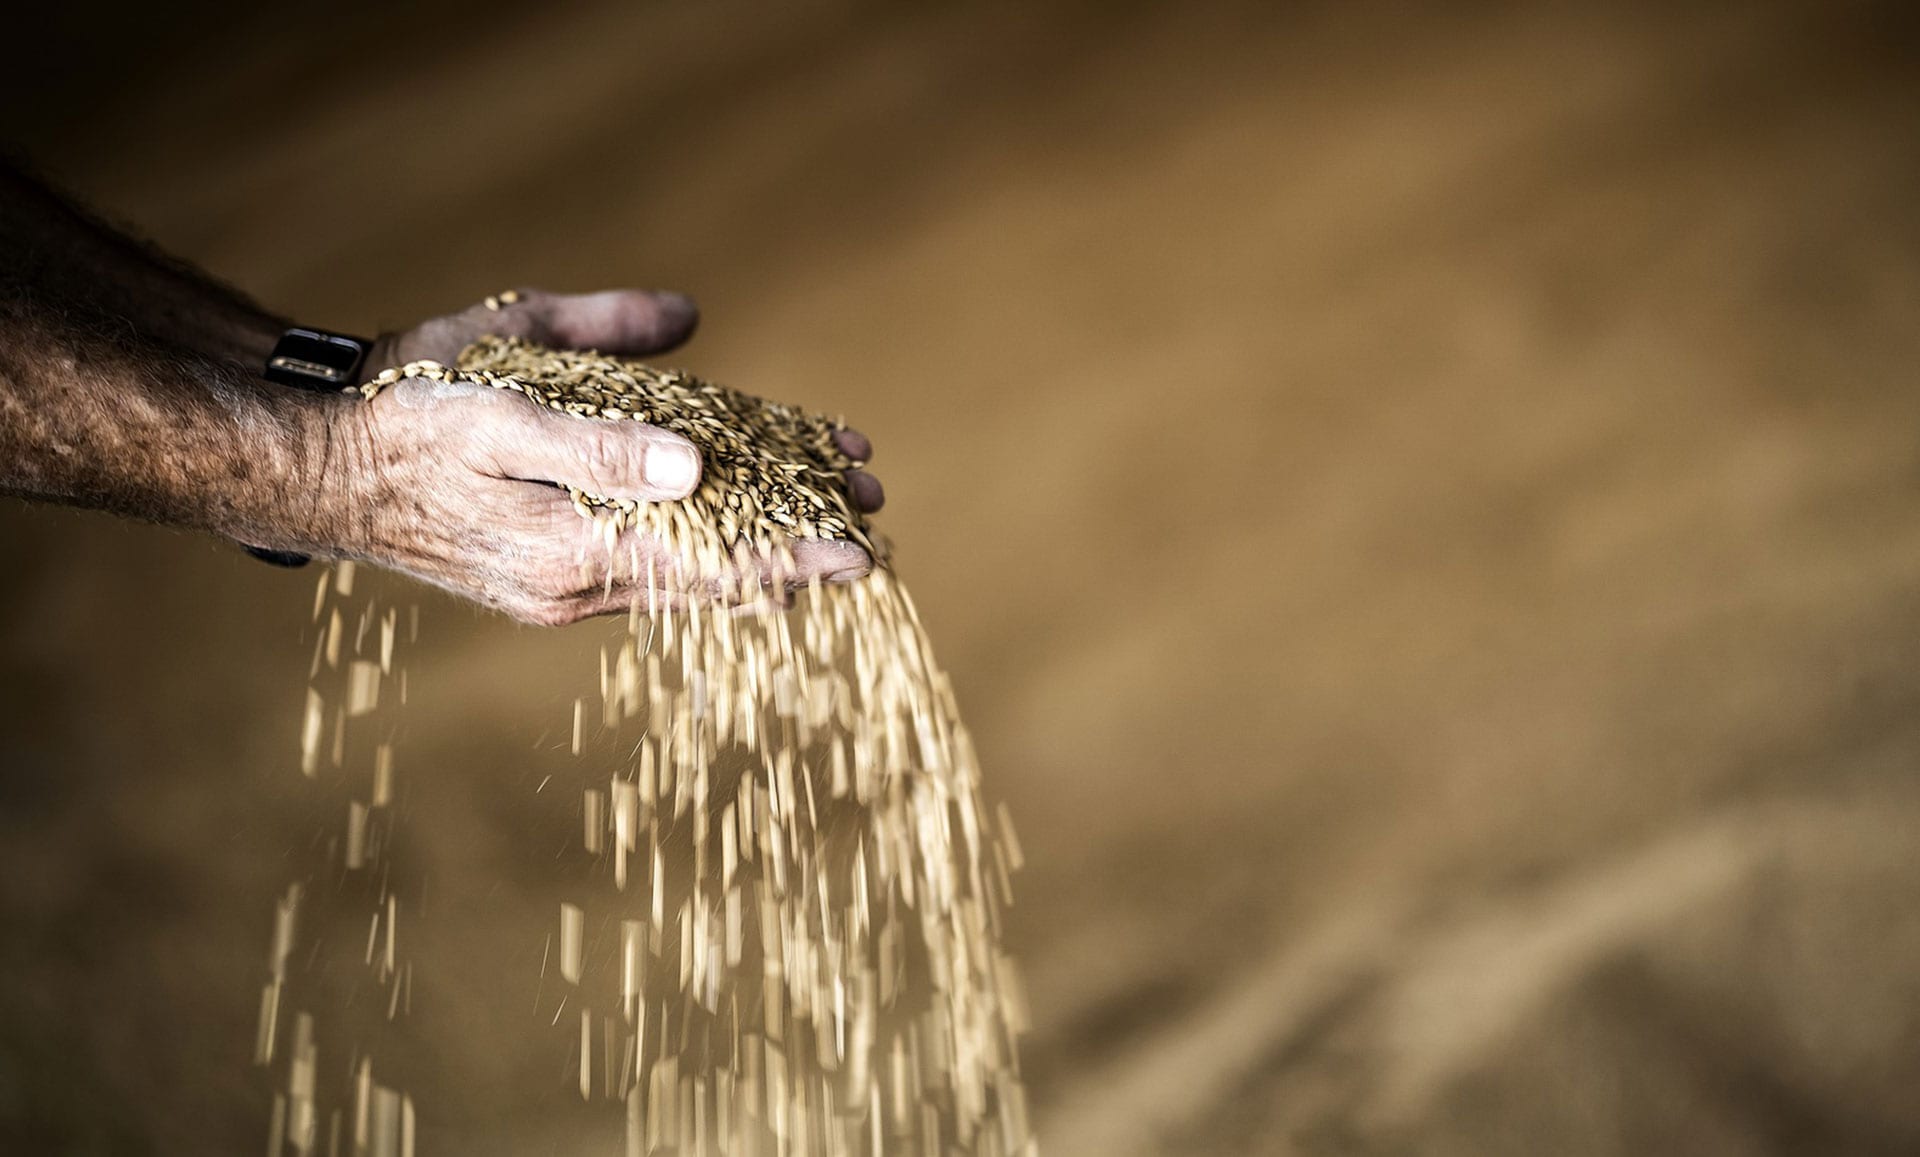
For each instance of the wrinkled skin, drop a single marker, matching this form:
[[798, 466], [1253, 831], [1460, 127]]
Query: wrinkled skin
[[457, 484]]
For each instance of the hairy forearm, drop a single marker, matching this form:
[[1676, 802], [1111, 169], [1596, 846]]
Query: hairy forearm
[[94, 415], [128, 383]]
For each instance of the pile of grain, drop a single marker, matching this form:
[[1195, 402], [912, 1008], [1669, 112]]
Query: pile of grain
[[803, 885]]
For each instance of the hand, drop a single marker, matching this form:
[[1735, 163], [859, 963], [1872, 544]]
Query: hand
[[458, 484]]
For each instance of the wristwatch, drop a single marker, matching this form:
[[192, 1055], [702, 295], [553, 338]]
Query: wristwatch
[[311, 359]]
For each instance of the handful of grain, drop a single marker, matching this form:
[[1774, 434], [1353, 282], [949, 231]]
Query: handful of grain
[[797, 884], [772, 472]]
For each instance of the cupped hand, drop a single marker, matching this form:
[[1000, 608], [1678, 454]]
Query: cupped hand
[[462, 485]]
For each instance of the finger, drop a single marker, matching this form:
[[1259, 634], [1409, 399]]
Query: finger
[[623, 600], [853, 444], [762, 575], [759, 590], [617, 321], [866, 491], [608, 459]]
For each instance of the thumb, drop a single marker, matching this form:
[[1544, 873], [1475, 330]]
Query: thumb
[[616, 321], [610, 459]]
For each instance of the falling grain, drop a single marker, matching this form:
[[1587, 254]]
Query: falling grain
[[805, 882]]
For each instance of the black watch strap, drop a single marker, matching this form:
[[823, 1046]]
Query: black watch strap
[[312, 359]]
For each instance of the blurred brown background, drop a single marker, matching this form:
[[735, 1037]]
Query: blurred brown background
[[1419, 504]]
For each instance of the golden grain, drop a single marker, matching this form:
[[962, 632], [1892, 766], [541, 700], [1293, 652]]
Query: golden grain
[[782, 819]]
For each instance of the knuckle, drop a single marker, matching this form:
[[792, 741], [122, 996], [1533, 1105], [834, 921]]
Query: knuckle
[[517, 322], [610, 460]]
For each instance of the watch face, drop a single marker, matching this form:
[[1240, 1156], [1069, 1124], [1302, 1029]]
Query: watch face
[[312, 360]]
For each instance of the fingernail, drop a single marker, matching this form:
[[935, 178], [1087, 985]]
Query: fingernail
[[676, 305], [867, 492], [673, 467], [854, 445]]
